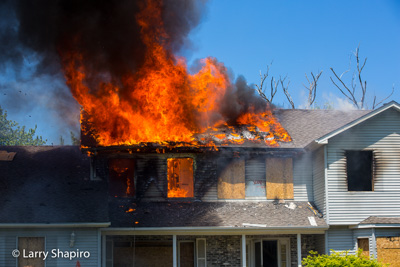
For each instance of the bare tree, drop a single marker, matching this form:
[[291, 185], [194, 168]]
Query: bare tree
[[350, 91], [273, 87], [286, 91], [312, 88]]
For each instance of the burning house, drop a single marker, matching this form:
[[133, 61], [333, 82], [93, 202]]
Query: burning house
[[228, 204], [187, 168]]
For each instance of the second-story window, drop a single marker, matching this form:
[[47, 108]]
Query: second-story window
[[270, 178], [255, 177], [180, 177], [121, 173], [359, 167]]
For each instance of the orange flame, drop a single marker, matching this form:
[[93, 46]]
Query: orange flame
[[161, 101]]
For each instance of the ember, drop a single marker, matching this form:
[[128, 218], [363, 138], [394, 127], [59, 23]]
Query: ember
[[161, 101]]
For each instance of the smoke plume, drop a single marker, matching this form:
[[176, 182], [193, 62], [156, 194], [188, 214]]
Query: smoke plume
[[111, 41]]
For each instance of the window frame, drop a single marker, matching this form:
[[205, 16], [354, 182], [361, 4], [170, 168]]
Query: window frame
[[192, 182], [133, 178], [372, 172]]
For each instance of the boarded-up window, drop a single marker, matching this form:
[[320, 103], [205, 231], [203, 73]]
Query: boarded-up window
[[122, 177], [231, 182], [31, 244], [279, 173], [255, 178], [180, 177], [363, 243], [359, 169], [388, 250]]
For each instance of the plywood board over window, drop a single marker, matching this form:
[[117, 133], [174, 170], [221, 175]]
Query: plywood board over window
[[388, 250], [31, 244], [279, 172], [231, 182]]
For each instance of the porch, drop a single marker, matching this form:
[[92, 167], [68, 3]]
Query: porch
[[251, 248]]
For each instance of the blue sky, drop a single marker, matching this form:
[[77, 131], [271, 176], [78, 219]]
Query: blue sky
[[297, 36]]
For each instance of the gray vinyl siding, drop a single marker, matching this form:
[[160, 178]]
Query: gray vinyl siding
[[302, 178], [318, 173], [382, 135], [340, 239], [85, 240], [388, 232]]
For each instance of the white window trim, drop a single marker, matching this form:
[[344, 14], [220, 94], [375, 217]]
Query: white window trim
[[197, 251], [369, 242]]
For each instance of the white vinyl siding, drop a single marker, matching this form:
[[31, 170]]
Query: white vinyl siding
[[85, 240], [382, 135]]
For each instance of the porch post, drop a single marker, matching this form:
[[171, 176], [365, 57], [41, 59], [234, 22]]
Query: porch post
[[244, 250], [299, 250], [174, 256]]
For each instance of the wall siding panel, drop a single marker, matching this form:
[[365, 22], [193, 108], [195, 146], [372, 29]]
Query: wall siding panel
[[382, 135], [340, 239], [303, 178]]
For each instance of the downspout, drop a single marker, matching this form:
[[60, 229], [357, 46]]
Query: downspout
[[374, 243], [326, 184], [326, 197]]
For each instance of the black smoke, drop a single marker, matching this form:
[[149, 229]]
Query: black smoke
[[105, 32]]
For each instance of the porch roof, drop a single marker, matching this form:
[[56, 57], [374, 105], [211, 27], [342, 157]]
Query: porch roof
[[213, 214]]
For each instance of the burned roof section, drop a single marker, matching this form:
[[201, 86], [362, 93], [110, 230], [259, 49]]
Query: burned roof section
[[50, 185]]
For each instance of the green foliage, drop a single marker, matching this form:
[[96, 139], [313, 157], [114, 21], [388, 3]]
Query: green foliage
[[337, 259], [13, 135]]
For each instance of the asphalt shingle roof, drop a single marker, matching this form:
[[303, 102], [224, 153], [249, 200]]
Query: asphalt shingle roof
[[203, 214], [304, 125], [381, 220], [50, 185]]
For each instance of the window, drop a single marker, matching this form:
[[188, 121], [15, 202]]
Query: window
[[201, 252], [359, 170], [31, 244], [122, 182], [363, 243], [255, 178], [270, 252], [180, 177]]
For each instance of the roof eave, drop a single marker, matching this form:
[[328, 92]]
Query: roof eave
[[216, 230], [324, 139]]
